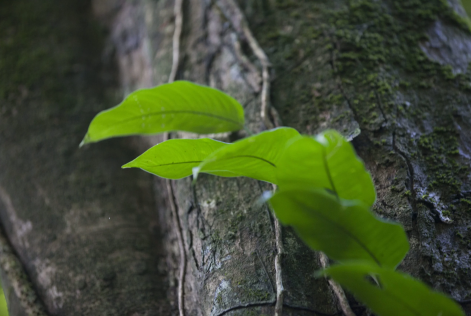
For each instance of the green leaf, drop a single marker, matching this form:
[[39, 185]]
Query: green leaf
[[344, 230], [254, 157], [394, 293], [467, 7], [175, 158], [329, 162], [181, 105], [3, 303]]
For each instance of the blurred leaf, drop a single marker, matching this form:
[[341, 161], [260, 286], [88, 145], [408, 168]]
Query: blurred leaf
[[254, 157], [390, 293], [175, 158], [467, 6], [344, 230], [181, 105], [329, 162], [3, 303]]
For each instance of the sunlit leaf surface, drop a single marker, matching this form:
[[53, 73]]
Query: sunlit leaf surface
[[256, 157], [181, 105], [175, 158], [3, 303], [344, 230], [328, 161]]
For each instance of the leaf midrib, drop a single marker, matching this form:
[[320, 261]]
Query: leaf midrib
[[200, 161], [222, 118]]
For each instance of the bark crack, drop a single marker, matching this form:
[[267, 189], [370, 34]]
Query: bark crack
[[191, 250], [380, 106], [340, 86], [413, 197], [265, 269]]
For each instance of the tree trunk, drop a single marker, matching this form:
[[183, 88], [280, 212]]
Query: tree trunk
[[94, 239]]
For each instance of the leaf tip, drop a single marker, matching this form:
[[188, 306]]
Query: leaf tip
[[127, 166], [85, 140]]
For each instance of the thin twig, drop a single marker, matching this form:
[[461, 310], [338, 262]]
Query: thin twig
[[176, 222], [178, 15], [280, 290], [242, 27], [177, 11], [338, 291], [181, 246], [237, 50]]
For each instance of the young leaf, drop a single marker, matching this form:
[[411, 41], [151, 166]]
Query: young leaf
[[180, 105], [394, 293], [344, 230], [329, 162], [255, 157], [175, 158]]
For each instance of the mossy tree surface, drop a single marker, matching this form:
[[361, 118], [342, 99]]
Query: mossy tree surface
[[390, 74], [399, 71], [381, 68], [395, 71], [85, 233]]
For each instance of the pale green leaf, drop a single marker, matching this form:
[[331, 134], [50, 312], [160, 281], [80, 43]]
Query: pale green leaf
[[175, 158], [255, 157], [467, 7], [328, 162], [344, 230], [3, 303], [181, 105], [390, 293]]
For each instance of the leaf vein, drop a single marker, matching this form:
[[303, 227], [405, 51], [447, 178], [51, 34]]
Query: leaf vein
[[340, 227], [222, 118]]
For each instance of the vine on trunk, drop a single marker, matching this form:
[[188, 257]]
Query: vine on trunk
[[324, 191]]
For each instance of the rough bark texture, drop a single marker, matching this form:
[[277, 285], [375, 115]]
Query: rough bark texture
[[390, 74], [86, 232]]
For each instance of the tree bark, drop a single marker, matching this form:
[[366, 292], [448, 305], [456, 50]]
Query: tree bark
[[86, 233], [93, 239]]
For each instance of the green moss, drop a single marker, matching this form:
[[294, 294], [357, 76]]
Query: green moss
[[465, 201], [438, 150]]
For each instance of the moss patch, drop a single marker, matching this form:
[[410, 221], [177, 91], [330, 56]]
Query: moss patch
[[338, 62]]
